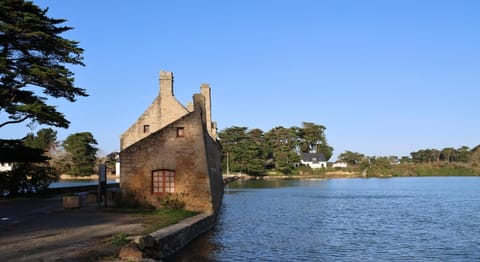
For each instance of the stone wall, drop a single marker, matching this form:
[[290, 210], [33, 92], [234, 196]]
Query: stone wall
[[170, 240], [195, 158], [164, 110]]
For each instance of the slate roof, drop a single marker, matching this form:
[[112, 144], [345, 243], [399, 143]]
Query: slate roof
[[313, 157]]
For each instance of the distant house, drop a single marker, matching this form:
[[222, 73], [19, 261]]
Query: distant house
[[314, 160], [339, 164], [173, 149]]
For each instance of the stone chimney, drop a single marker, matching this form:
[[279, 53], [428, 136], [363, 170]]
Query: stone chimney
[[206, 92], [190, 107], [199, 105], [166, 84]]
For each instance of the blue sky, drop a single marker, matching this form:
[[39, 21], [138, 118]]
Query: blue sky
[[384, 77]]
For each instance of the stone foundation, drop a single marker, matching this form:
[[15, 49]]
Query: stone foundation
[[169, 240]]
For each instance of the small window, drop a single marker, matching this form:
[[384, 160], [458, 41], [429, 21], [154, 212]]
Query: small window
[[163, 181], [180, 132], [146, 129]]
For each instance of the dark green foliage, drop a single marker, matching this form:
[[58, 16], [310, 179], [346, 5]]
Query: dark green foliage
[[448, 154], [243, 150], [32, 54], [31, 171], [351, 158], [45, 139], [15, 151], [312, 138], [252, 151], [27, 178], [81, 154], [282, 144]]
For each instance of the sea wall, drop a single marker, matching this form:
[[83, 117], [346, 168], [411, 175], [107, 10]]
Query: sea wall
[[169, 240]]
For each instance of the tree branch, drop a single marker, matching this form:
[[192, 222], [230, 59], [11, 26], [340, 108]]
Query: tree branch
[[15, 121]]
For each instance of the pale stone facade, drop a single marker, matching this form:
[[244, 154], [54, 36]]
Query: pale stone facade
[[179, 142], [164, 110]]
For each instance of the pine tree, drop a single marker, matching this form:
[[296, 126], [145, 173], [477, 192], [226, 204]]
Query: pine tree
[[33, 54]]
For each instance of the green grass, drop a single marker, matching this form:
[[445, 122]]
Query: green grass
[[164, 217], [155, 219], [118, 240]]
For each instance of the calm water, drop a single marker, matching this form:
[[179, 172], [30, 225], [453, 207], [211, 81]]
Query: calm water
[[80, 182], [397, 219]]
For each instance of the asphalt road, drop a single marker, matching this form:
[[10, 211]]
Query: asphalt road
[[41, 230], [22, 210]]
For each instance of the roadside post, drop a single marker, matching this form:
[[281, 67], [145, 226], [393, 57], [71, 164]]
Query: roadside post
[[102, 184]]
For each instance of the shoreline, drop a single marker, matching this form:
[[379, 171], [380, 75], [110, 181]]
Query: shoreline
[[65, 177], [339, 176]]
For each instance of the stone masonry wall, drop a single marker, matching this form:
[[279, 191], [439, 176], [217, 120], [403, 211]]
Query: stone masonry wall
[[195, 157], [163, 150], [164, 110]]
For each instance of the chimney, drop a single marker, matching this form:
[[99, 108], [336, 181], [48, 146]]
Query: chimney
[[206, 92], [199, 105], [166, 84]]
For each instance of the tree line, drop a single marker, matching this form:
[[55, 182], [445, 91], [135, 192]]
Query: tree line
[[76, 156], [254, 152], [449, 154], [446, 161]]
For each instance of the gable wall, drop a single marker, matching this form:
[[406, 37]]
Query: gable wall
[[164, 110], [187, 156]]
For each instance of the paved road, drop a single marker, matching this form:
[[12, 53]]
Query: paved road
[[21, 210], [41, 230]]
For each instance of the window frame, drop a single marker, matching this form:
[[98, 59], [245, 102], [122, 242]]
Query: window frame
[[163, 182], [180, 132], [146, 129]]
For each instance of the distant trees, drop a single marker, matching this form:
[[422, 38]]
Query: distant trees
[[45, 139], [312, 139], [253, 151], [448, 154], [425, 162], [242, 148], [282, 145], [351, 158], [81, 157], [31, 173]]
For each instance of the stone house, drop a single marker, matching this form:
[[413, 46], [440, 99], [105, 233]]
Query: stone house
[[313, 160], [173, 149]]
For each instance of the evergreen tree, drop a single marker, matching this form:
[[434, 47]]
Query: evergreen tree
[[81, 154], [312, 139], [33, 54], [45, 139], [282, 142]]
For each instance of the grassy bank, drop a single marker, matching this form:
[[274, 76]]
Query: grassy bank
[[403, 170], [400, 170], [155, 219]]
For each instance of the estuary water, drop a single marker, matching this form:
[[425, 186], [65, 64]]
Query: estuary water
[[395, 219], [80, 182]]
